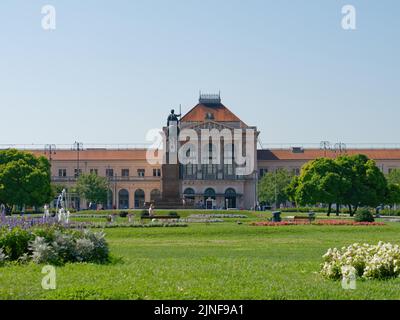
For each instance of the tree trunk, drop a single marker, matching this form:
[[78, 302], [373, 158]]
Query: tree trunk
[[355, 209], [329, 209], [350, 210], [337, 209]]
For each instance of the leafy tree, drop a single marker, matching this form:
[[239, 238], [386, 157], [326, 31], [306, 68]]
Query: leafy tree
[[393, 194], [273, 185], [393, 177], [352, 180], [24, 179], [92, 188], [320, 181], [368, 185]]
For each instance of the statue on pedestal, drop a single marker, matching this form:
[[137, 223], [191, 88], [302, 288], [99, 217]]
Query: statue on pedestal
[[173, 118]]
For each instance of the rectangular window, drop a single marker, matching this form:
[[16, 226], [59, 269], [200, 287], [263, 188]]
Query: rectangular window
[[229, 169], [109, 173], [156, 172], [62, 172], [94, 171], [125, 173], [141, 172]]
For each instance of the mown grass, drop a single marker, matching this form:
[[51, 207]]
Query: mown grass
[[215, 261]]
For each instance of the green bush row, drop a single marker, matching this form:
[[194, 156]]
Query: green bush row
[[52, 244]]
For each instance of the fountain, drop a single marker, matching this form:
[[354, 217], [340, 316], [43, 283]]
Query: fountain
[[62, 213]]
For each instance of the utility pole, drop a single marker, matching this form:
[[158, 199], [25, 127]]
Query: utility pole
[[50, 149], [325, 145], [78, 146], [276, 192], [340, 148]]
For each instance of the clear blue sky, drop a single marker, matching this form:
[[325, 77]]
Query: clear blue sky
[[113, 69]]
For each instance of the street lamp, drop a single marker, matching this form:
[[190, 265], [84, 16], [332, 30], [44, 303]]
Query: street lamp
[[50, 149]]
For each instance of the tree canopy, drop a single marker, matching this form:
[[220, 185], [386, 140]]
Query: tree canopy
[[272, 187], [92, 188], [350, 180], [24, 179]]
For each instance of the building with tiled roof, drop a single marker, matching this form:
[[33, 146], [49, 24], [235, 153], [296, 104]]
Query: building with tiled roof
[[134, 181]]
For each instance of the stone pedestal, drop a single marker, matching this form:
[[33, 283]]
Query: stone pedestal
[[170, 182]]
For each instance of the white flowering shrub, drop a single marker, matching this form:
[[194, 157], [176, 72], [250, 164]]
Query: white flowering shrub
[[70, 246], [100, 251], [379, 261], [42, 251], [84, 250], [64, 246]]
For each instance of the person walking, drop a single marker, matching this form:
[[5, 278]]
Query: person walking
[[151, 210]]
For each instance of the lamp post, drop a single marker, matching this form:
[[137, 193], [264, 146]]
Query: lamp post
[[78, 146]]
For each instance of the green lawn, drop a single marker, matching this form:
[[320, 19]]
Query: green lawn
[[215, 261]]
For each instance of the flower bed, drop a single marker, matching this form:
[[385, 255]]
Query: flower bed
[[218, 215], [26, 222], [379, 261], [102, 225], [338, 222], [332, 222], [277, 224]]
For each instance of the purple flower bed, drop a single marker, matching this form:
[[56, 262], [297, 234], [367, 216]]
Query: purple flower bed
[[26, 222]]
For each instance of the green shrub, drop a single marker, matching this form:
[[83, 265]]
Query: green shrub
[[144, 213], [364, 215], [15, 242], [123, 214], [54, 245], [173, 214], [3, 257], [100, 251]]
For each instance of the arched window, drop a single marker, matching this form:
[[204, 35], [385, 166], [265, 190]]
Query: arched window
[[209, 193], [230, 198], [123, 199], [139, 198], [189, 193]]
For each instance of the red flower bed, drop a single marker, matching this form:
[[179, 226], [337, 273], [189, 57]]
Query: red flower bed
[[332, 222], [282, 223]]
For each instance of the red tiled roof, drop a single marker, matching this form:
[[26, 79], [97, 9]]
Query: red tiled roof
[[310, 154], [219, 111], [267, 154], [96, 154]]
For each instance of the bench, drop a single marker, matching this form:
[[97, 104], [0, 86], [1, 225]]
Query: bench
[[302, 218]]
